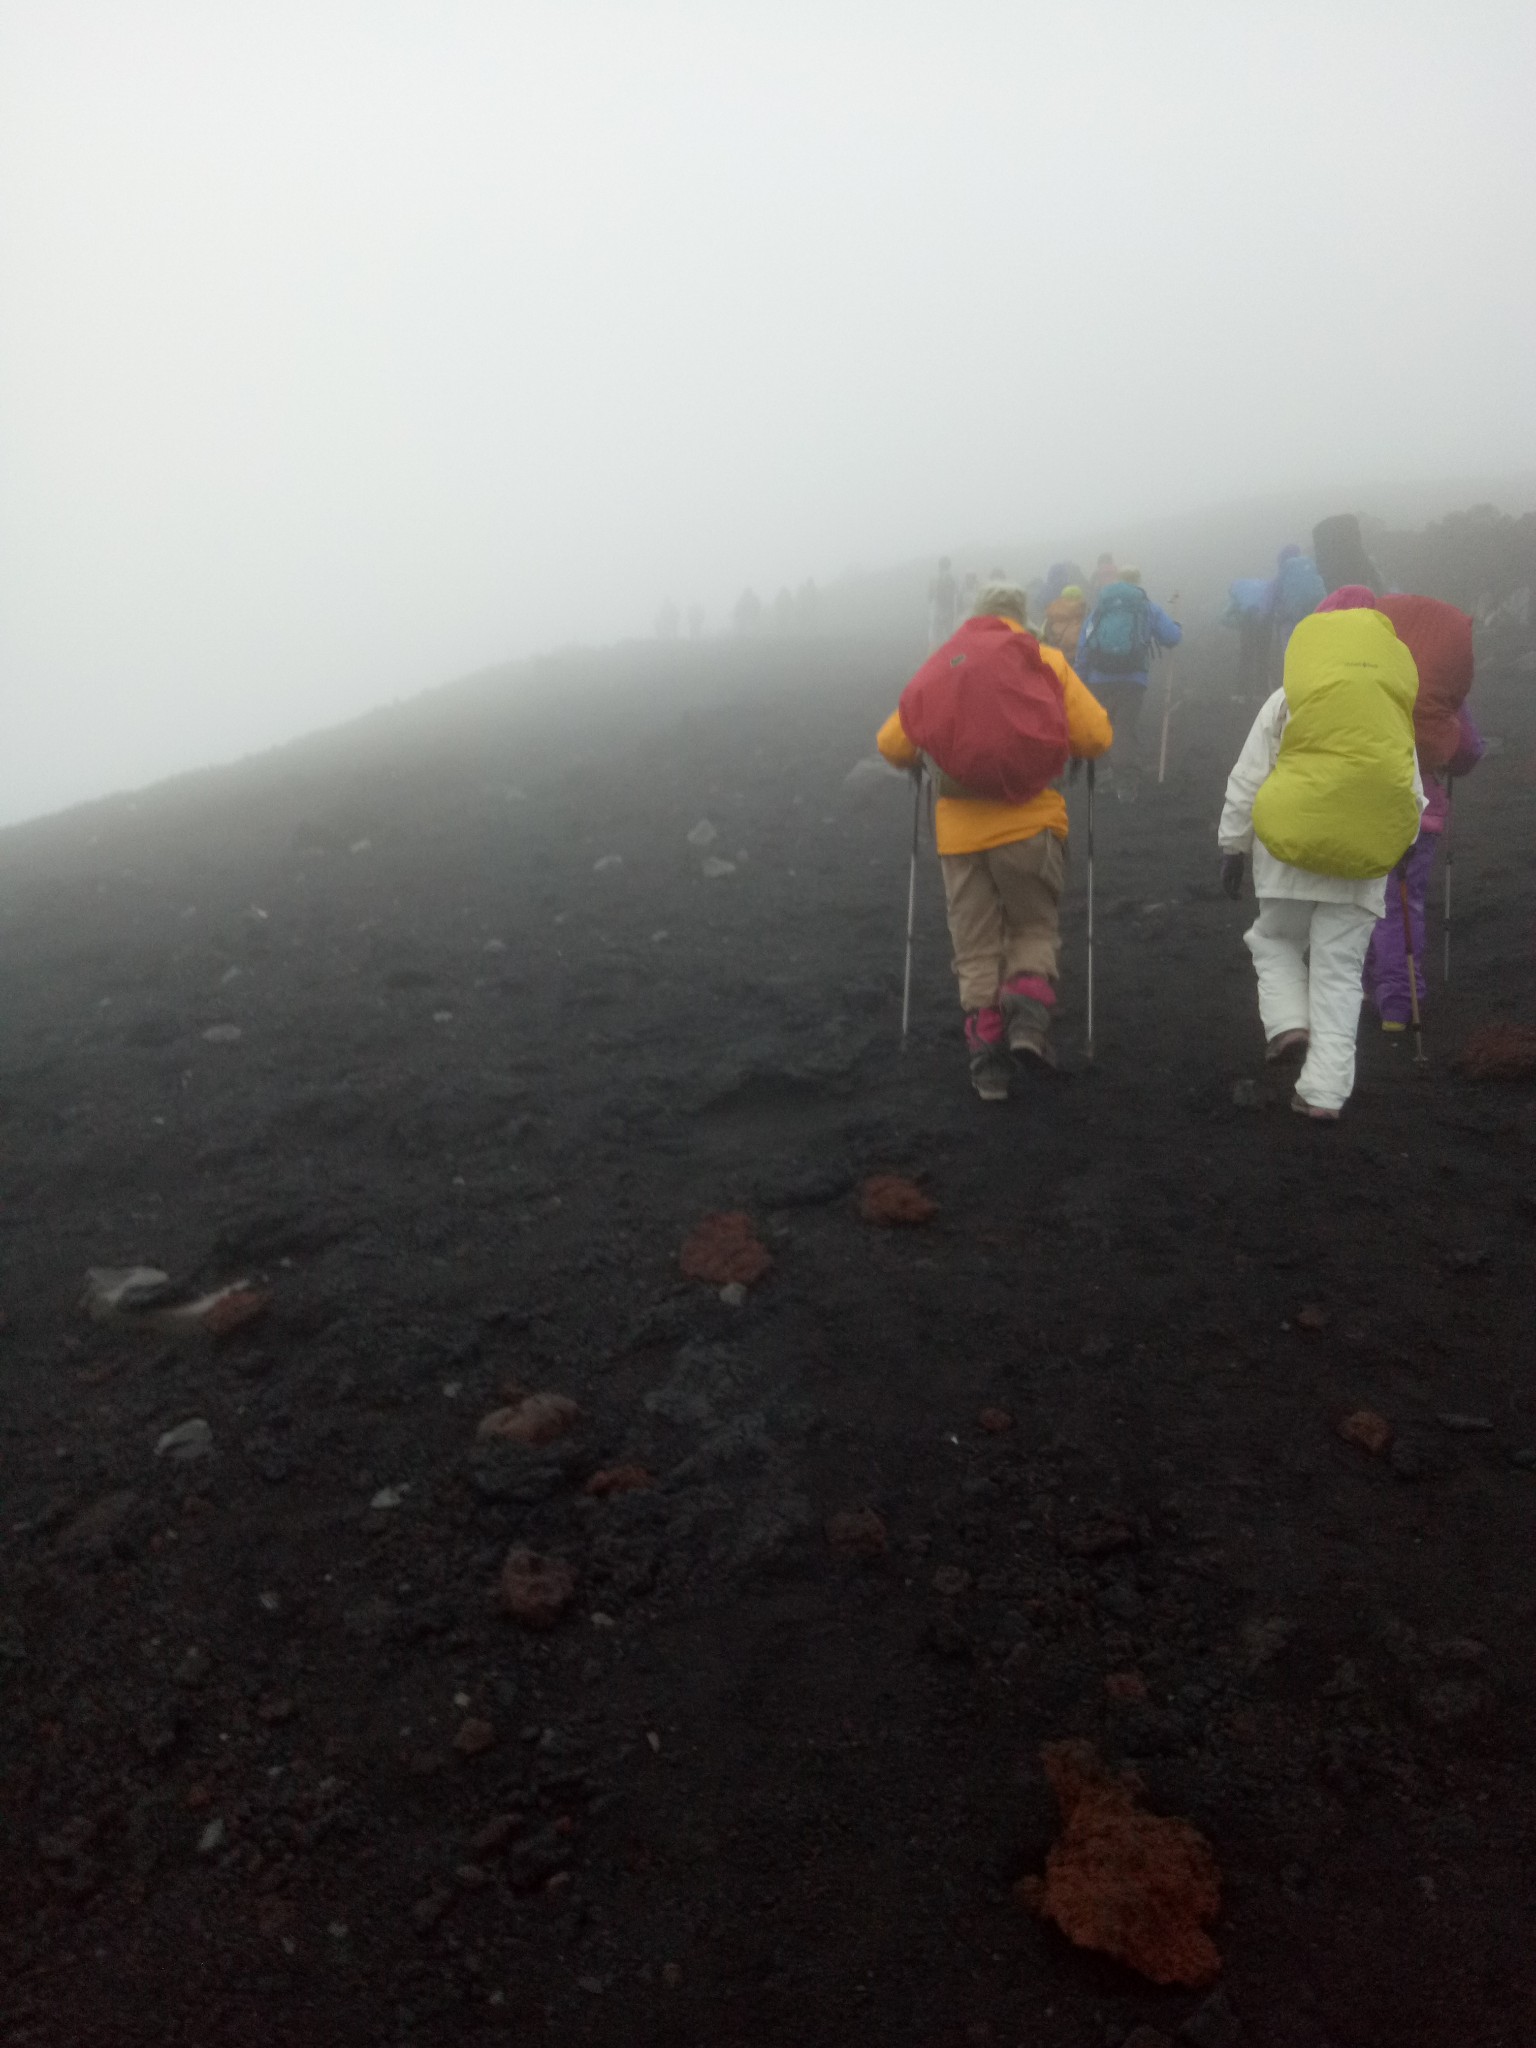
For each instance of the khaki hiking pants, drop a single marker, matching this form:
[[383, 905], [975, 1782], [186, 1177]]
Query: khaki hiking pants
[[1004, 914]]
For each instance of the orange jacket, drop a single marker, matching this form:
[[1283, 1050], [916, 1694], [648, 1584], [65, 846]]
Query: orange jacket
[[1064, 618], [972, 824]]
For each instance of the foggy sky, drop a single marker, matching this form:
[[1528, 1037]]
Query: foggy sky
[[348, 345]]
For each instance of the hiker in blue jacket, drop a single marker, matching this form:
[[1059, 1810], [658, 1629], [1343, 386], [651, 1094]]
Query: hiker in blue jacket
[[1120, 636], [1297, 590]]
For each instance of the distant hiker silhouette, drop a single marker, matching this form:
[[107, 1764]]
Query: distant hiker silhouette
[[943, 604], [1439, 637], [1123, 631]]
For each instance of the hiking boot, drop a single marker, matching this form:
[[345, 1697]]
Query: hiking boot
[[986, 1042], [1288, 1045], [1027, 1001], [1304, 1108]]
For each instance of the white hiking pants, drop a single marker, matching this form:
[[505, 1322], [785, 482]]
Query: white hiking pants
[[1321, 997]]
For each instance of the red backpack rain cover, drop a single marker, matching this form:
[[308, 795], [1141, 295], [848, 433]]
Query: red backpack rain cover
[[988, 711], [1439, 638]]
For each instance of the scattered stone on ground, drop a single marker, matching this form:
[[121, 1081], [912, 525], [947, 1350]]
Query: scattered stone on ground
[[1500, 1052], [1137, 1886], [532, 1419], [536, 1590], [613, 1479], [892, 1200], [1372, 1432], [187, 1441], [856, 1532], [724, 1251]]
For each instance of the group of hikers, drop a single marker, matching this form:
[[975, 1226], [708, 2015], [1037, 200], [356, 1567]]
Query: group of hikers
[[1336, 803], [1105, 625]]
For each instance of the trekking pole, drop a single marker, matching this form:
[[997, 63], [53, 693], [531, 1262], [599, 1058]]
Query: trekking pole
[[1450, 855], [1162, 752], [1090, 912], [906, 986], [1413, 972]]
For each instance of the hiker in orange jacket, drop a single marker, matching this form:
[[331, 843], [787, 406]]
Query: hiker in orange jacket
[[1003, 866], [1064, 618]]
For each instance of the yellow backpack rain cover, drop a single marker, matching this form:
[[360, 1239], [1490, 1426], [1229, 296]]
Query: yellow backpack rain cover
[[1340, 798]]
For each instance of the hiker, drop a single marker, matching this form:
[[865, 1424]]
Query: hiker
[[1057, 577], [1248, 609], [943, 604], [1122, 631], [1064, 617], [969, 588], [1296, 591], [1325, 797], [1104, 573], [1439, 637], [997, 717], [1340, 553]]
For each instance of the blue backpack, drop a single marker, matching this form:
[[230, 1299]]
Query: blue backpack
[[1117, 640], [1298, 590]]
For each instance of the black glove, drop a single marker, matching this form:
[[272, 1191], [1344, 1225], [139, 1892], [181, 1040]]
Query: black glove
[[1232, 865]]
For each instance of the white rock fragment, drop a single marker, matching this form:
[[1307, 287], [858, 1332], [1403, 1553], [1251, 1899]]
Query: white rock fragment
[[186, 1441], [713, 868], [703, 835]]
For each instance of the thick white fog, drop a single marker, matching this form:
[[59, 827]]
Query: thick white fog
[[347, 345]]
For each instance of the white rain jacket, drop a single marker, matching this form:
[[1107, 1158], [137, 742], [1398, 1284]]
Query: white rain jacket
[[1273, 877]]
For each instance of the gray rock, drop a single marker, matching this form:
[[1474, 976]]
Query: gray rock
[[704, 1378], [193, 1668], [223, 1034], [108, 1525], [1213, 2024], [507, 1472], [188, 1440], [112, 1290]]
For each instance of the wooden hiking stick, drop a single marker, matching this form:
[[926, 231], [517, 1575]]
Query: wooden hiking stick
[[1413, 972]]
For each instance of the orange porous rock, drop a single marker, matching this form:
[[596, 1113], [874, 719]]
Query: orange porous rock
[[723, 1250], [890, 1199], [1129, 1883], [1372, 1432]]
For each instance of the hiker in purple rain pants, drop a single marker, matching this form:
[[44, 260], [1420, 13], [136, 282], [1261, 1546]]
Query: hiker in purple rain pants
[[1386, 964]]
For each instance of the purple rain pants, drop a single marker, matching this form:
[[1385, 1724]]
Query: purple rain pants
[[1386, 964]]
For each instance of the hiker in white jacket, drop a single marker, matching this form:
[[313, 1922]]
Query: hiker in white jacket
[[1341, 791]]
